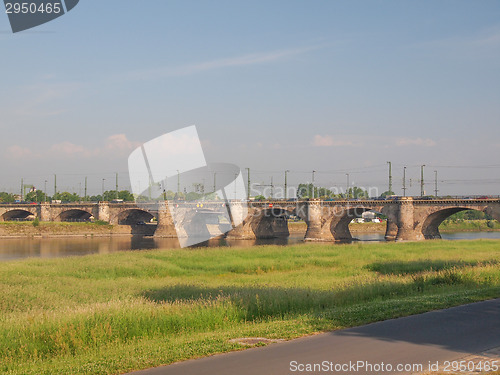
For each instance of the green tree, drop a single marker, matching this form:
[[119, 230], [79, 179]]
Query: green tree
[[124, 195], [35, 196], [387, 193], [67, 197], [7, 197]]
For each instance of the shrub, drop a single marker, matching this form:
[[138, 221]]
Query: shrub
[[36, 222]]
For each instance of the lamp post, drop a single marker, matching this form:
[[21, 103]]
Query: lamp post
[[422, 191], [102, 196], [313, 193], [436, 183], [178, 183], [45, 192], [347, 193], [404, 181], [390, 177], [248, 184], [286, 185]]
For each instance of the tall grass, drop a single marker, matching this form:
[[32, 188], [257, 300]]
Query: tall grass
[[107, 314]]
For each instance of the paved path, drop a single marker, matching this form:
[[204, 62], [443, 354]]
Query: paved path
[[420, 339]]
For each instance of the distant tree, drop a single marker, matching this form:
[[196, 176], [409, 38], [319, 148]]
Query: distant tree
[[35, 196], [387, 193], [7, 197], [260, 198], [357, 192], [125, 195], [67, 197]]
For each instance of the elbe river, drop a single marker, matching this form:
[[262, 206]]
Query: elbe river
[[21, 248]]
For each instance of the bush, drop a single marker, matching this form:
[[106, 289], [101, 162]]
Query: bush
[[490, 224], [36, 222]]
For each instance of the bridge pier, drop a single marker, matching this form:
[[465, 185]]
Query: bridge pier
[[405, 221], [43, 212], [103, 211], [166, 226], [316, 228], [391, 231]]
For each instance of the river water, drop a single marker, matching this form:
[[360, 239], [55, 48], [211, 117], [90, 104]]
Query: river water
[[19, 248]]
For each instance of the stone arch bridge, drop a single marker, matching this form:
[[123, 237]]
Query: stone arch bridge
[[407, 218]]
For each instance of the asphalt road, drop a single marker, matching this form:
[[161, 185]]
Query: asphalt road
[[420, 339]]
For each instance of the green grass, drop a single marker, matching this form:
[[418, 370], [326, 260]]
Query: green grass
[[469, 226], [106, 314]]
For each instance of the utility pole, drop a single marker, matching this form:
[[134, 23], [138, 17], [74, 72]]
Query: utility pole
[[272, 188], [286, 185], [248, 184], [390, 177], [347, 186], [178, 183], [85, 189], [436, 183], [102, 197], [422, 191], [55, 184], [22, 189], [404, 181], [116, 194], [45, 192], [215, 181], [313, 193]]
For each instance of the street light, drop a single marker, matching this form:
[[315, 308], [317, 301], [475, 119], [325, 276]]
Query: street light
[[404, 181], [347, 194], [422, 192], [45, 192], [436, 183], [313, 184], [390, 177], [286, 193], [102, 197], [248, 184], [178, 183]]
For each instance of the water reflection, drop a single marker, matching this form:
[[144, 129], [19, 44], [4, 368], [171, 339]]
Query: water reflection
[[18, 248]]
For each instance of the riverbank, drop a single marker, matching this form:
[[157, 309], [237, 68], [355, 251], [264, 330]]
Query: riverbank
[[113, 313], [21, 229], [16, 229]]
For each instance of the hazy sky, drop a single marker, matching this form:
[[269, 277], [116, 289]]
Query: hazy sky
[[333, 86]]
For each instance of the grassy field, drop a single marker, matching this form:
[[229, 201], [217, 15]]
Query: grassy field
[[107, 314]]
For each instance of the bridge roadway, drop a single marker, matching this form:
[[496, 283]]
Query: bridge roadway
[[407, 218]]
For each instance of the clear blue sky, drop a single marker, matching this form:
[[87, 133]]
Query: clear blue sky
[[332, 86]]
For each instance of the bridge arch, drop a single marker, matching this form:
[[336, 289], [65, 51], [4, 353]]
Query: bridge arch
[[134, 216], [272, 222], [339, 225], [16, 214], [75, 215], [430, 226], [203, 223]]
